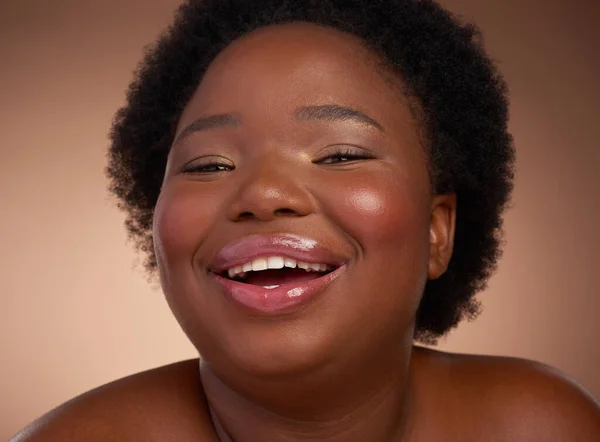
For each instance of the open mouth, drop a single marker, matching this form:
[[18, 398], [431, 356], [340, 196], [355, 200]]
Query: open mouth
[[273, 272], [274, 285]]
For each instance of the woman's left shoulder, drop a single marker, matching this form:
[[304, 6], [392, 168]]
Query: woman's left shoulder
[[534, 400]]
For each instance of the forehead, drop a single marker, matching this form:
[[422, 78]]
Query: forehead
[[296, 62], [291, 44]]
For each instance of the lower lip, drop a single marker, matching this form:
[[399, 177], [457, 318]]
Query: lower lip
[[281, 299]]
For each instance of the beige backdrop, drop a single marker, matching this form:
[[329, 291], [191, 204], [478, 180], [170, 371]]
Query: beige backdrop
[[76, 312]]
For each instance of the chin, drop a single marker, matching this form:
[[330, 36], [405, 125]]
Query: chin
[[274, 353]]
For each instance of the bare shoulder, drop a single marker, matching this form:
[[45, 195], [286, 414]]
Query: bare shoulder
[[522, 399], [163, 404]]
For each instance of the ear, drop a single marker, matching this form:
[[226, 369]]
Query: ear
[[441, 233]]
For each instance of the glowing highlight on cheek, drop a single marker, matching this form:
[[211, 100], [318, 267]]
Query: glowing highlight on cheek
[[367, 203]]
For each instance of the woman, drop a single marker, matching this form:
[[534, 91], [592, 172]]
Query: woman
[[318, 185]]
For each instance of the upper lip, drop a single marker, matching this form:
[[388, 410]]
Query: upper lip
[[286, 245]]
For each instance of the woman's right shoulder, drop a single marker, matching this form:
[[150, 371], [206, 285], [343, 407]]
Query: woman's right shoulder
[[163, 404]]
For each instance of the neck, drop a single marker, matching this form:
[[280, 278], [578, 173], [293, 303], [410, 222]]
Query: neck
[[373, 402]]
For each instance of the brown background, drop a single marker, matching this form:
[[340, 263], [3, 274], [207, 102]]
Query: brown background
[[76, 312]]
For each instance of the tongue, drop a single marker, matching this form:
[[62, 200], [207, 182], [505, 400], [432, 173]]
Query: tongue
[[280, 276]]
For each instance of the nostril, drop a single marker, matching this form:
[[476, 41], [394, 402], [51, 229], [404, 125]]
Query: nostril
[[278, 212], [245, 215], [285, 212]]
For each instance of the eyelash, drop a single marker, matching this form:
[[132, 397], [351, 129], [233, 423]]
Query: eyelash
[[340, 152], [201, 168], [348, 153]]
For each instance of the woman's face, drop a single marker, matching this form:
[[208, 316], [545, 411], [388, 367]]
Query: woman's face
[[280, 172]]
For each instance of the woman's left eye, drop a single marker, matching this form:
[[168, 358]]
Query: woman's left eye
[[344, 156]]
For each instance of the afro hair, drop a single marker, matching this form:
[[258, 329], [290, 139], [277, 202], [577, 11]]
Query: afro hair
[[462, 102]]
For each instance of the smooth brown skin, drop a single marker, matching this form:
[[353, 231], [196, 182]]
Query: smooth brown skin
[[342, 368]]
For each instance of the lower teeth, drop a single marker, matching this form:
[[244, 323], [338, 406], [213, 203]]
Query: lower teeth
[[270, 286]]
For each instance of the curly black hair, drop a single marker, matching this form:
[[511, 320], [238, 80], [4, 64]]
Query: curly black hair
[[462, 102]]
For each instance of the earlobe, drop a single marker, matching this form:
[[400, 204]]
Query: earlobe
[[441, 233]]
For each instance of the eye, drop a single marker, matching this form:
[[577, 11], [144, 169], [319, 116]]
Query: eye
[[208, 166], [344, 155]]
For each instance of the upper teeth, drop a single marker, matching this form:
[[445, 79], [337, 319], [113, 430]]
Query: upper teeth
[[273, 262]]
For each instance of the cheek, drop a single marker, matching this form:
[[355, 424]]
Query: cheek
[[387, 218], [368, 203], [181, 219], [374, 211], [382, 211]]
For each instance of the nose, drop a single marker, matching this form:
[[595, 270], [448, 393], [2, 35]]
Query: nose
[[268, 191]]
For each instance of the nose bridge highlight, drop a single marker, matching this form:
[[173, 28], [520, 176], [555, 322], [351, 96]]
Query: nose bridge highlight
[[270, 188]]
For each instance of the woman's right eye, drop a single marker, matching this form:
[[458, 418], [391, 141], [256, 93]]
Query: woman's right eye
[[210, 167]]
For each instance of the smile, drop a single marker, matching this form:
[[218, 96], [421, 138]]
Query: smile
[[276, 294], [272, 274], [284, 267]]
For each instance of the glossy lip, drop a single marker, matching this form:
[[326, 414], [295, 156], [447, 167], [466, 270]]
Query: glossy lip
[[282, 299], [261, 246]]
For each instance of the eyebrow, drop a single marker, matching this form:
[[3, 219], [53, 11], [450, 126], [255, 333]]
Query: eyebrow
[[328, 112], [334, 112], [210, 122]]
